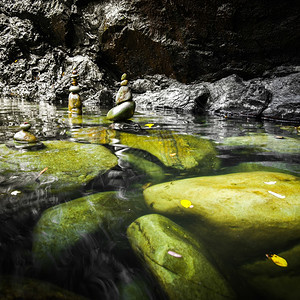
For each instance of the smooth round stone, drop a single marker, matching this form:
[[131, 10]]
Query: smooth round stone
[[25, 137], [25, 126], [122, 111], [74, 89], [124, 94]]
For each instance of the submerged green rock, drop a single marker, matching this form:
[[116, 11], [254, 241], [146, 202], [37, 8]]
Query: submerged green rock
[[70, 165], [266, 142], [179, 151], [62, 226], [269, 166], [183, 152], [181, 264], [152, 171], [253, 210], [266, 278], [122, 112]]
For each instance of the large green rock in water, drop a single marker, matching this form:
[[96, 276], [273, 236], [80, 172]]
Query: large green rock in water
[[179, 151], [265, 142], [183, 152], [70, 165], [274, 282], [246, 212], [121, 112], [181, 264], [62, 226]]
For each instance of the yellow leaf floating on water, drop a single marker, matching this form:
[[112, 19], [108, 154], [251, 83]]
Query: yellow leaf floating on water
[[186, 203], [279, 261], [149, 125]]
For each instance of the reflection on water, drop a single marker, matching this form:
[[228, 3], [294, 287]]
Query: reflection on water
[[101, 264]]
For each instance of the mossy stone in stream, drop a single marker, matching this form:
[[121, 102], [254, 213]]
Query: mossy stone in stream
[[265, 142], [62, 226], [269, 166], [245, 212], [152, 171], [181, 264], [267, 278], [179, 151], [69, 165], [122, 112]]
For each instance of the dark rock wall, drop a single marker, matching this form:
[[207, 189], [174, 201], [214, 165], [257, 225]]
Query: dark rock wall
[[188, 40]]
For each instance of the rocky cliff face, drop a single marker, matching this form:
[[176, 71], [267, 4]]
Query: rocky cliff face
[[187, 40]]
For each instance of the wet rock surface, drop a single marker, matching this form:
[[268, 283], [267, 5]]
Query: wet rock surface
[[246, 208], [177, 260], [42, 41]]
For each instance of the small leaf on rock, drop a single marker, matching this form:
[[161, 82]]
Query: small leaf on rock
[[174, 254], [186, 203], [149, 125], [279, 261]]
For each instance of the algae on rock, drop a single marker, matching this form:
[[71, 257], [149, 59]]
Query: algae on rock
[[62, 226], [266, 142], [267, 278], [181, 264], [179, 151], [70, 165], [244, 211]]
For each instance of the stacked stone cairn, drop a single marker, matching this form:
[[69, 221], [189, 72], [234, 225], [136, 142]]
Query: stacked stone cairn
[[75, 104], [125, 107], [24, 139]]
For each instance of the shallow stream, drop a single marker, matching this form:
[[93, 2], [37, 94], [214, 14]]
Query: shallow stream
[[101, 264]]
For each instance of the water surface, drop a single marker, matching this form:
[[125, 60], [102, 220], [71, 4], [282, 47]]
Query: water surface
[[103, 271]]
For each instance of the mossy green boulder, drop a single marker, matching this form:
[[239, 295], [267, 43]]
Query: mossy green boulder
[[181, 264], [69, 165], [267, 278], [265, 142], [149, 169], [247, 211], [179, 151], [122, 112], [62, 226]]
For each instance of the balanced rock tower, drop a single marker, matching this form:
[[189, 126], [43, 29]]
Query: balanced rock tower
[[75, 104], [125, 107]]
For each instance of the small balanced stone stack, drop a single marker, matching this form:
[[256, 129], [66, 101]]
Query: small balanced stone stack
[[125, 107], [75, 104], [23, 139]]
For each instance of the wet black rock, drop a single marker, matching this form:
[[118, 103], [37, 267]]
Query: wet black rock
[[272, 98], [160, 92], [191, 42]]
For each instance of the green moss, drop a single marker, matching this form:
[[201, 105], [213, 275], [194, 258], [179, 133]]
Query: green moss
[[265, 142], [153, 171], [247, 211], [70, 165], [190, 276], [62, 226], [183, 152]]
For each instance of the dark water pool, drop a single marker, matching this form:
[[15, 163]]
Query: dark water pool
[[98, 269]]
